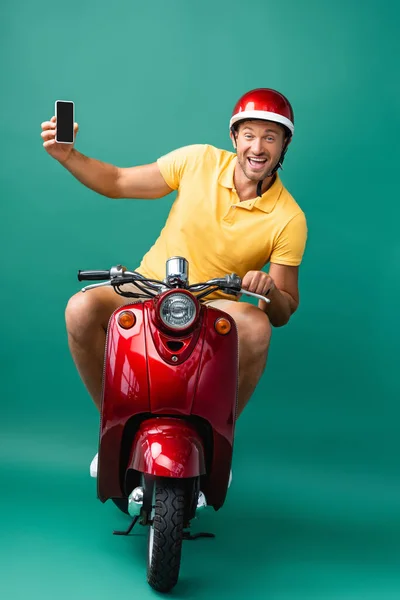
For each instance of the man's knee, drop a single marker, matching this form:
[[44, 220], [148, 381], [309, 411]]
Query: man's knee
[[77, 312], [254, 327], [88, 309]]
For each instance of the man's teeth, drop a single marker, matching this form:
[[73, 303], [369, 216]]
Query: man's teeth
[[258, 159]]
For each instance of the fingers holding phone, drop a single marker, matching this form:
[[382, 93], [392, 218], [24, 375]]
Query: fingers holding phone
[[60, 132]]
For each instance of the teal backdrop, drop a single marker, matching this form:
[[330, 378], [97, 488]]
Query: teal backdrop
[[314, 508]]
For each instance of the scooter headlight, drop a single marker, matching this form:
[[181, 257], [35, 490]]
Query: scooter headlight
[[177, 311]]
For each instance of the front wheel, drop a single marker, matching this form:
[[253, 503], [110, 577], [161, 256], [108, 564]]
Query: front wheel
[[166, 533]]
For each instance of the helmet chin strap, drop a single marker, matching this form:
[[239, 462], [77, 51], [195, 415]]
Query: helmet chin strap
[[274, 170], [259, 186]]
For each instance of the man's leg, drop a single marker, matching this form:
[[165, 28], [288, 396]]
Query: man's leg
[[87, 315], [254, 333]]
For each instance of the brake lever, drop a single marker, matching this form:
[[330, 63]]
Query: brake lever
[[267, 300], [236, 282], [95, 285]]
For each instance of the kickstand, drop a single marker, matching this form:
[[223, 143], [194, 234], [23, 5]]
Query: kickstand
[[188, 536], [131, 526]]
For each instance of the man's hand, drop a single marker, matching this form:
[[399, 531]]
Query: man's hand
[[60, 152], [258, 282], [281, 288]]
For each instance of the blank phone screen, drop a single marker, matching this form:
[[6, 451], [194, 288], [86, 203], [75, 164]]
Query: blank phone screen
[[65, 122]]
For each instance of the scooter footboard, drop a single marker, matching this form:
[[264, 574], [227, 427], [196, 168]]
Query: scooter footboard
[[167, 447]]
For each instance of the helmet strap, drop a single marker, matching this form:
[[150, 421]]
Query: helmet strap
[[274, 170]]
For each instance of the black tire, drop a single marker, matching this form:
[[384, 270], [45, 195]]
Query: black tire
[[166, 534]]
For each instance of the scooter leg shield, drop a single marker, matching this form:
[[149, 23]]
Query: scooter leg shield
[[166, 447]]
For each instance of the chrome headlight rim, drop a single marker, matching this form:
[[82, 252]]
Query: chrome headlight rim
[[174, 328]]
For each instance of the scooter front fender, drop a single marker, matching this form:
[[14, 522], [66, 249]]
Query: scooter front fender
[[167, 447]]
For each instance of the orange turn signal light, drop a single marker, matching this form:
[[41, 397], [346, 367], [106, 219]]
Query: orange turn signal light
[[222, 326], [126, 319]]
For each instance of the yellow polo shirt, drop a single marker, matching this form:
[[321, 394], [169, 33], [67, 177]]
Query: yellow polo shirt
[[213, 230]]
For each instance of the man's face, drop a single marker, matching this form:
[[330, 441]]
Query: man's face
[[259, 146]]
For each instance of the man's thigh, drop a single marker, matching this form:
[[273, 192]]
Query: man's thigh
[[235, 309], [232, 307], [221, 304], [246, 315], [104, 300]]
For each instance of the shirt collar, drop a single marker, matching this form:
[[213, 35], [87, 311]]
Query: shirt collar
[[226, 176], [265, 203]]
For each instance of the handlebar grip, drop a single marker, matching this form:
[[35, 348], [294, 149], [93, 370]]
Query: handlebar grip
[[93, 275]]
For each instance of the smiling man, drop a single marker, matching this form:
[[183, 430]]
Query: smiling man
[[232, 214]]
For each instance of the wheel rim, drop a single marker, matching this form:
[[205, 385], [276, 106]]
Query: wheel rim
[[151, 543], [151, 530]]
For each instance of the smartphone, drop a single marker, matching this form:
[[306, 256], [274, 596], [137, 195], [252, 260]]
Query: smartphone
[[65, 114]]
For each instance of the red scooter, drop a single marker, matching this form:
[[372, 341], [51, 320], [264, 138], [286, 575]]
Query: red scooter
[[169, 406]]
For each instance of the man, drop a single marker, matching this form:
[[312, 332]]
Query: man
[[232, 214]]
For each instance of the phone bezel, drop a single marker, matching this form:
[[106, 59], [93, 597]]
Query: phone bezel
[[73, 120]]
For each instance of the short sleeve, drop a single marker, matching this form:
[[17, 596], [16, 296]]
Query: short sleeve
[[173, 165], [291, 243]]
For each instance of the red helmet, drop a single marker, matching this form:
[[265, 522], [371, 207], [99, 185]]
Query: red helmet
[[266, 104]]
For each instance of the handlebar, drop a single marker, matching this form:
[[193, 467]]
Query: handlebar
[[93, 275], [116, 276]]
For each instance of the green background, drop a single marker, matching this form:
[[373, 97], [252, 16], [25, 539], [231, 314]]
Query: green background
[[314, 508]]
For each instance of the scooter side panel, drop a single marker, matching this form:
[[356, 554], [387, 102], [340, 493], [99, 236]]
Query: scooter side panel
[[216, 401], [125, 393]]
